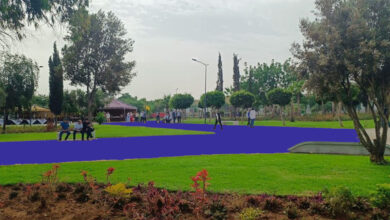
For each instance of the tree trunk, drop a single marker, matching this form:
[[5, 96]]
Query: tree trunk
[[282, 115], [5, 120], [55, 121], [334, 109], [273, 111], [340, 105], [292, 112], [322, 107], [299, 105]]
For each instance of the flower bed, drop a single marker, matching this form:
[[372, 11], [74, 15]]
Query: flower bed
[[91, 200]]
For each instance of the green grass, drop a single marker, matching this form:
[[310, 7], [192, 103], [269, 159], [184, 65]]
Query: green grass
[[102, 131], [281, 174], [302, 124]]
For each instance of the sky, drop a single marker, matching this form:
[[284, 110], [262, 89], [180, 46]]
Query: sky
[[169, 33]]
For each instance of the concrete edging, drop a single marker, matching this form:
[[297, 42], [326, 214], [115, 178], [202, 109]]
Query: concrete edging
[[346, 148]]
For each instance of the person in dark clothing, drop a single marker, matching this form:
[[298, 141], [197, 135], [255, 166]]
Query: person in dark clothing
[[218, 120], [86, 129], [158, 117]]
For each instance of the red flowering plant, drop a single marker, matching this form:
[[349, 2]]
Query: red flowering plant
[[110, 171], [90, 180], [50, 177], [200, 189]]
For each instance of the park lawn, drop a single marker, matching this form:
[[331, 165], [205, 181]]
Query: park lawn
[[301, 124], [299, 174], [102, 131]]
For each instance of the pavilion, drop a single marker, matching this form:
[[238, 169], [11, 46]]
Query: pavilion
[[118, 110]]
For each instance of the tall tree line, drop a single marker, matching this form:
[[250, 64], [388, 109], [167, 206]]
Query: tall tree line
[[56, 84]]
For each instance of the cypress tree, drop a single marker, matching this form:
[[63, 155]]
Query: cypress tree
[[236, 73], [55, 83], [220, 74]]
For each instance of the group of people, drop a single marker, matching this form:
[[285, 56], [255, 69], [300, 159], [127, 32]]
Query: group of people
[[251, 117], [136, 117], [80, 126], [172, 116]]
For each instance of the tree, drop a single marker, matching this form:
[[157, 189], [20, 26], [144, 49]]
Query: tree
[[15, 14], [220, 74], [280, 97], [236, 73], [347, 44], [181, 101], [242, 99], [19, 78], [95, 54], [2, 97], [40, 100], [215, 99], [56, 83]]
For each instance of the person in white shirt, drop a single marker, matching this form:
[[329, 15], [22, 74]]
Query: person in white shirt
[[178, 116], [78, 127], [252, 117]]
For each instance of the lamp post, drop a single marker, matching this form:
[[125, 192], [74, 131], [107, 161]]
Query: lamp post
[[205, 87]]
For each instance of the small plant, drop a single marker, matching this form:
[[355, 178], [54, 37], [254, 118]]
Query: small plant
[[216, 210], [292, 211], [100, 118], [50, 177], [340, 201], [200, 189], [250, 214], [273, 204], [381, 198], [119, 190], [12, 195], [110, 171]]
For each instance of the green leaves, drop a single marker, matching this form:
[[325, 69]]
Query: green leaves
[[242, 99], [279, 96], [214, 99], [181, 101]]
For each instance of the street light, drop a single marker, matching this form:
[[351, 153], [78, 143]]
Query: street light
[[205, 88]]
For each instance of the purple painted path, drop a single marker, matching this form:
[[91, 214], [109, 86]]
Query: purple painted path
[[232, 140]]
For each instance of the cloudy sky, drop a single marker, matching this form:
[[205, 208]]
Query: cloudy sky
[[168, 33]]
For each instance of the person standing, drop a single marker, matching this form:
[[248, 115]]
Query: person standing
[[108, 117], [174, 116], [128, 117], [64, 129], [218, 120], [78, 127], [158, 117], [136, 116], [252, 117], [179, 116], [248, 117]]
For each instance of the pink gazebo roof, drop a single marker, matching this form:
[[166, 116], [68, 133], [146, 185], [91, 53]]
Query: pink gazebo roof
[[116, 104]]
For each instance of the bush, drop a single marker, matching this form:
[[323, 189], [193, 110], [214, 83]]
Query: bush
[[340, 201], [273, 204], [100, 117], [381, 198], [250, 214], [292, 212]]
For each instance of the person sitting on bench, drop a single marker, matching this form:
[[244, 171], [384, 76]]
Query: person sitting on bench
[[78, 127], [88, 129], [64, 129]]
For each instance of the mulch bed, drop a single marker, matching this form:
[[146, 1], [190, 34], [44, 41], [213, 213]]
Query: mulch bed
[[85, 201]]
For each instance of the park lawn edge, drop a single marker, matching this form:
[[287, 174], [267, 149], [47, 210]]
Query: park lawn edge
[[173, 173]]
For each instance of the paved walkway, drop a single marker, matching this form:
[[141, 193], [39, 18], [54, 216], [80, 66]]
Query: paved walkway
[[371, 133], [232, 140]]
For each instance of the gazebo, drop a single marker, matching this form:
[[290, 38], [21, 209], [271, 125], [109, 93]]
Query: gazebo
[[118, 110], [40, 112]]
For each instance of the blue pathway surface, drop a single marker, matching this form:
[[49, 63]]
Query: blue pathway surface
[[231, 140]]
